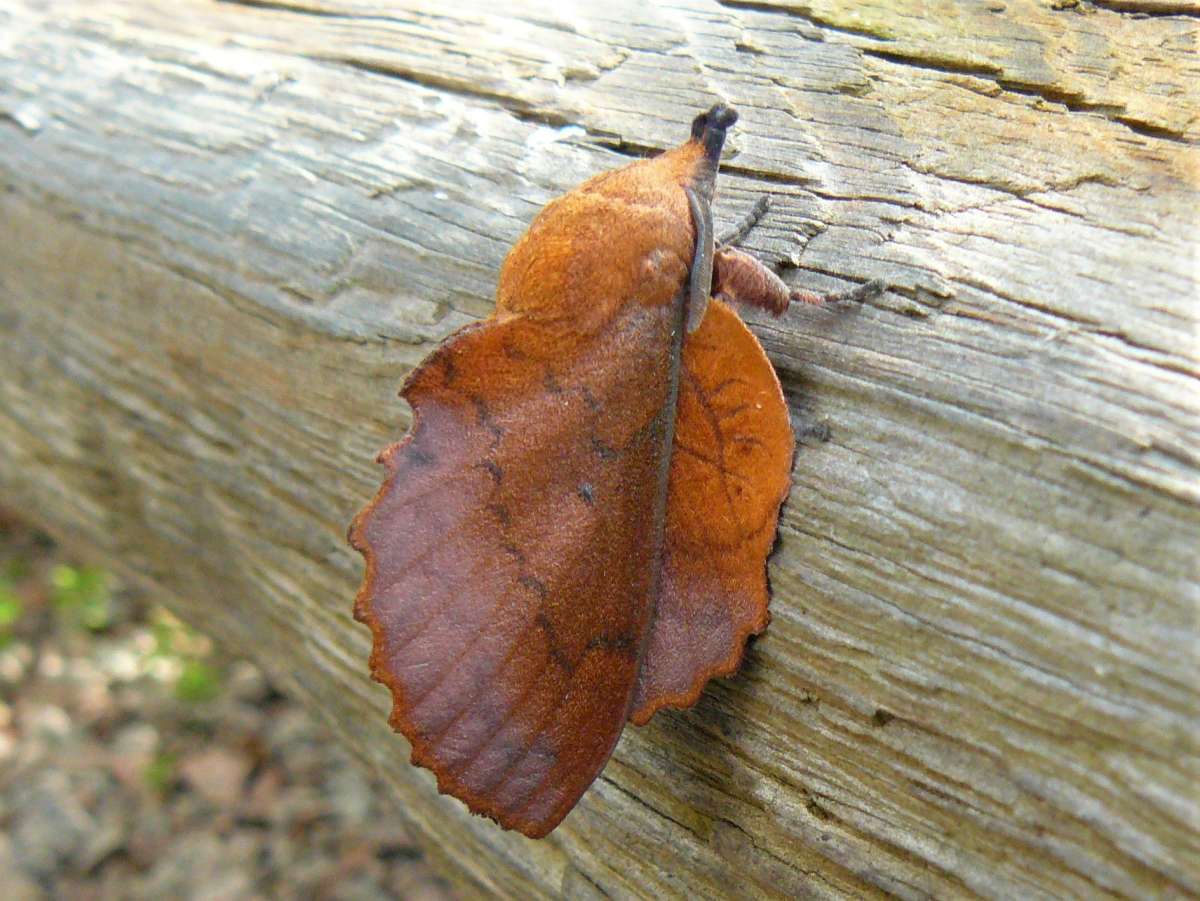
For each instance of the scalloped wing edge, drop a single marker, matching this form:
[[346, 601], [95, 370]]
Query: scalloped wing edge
[[733, 662], [421, 755]]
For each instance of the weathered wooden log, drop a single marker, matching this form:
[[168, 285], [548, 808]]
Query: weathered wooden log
[[227, 230]]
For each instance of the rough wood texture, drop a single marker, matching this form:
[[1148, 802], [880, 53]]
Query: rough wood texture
[[230, 228]]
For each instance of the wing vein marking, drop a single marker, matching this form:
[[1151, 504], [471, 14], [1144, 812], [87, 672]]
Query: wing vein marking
[[479, 631], [466, 703], [542, 782], [715, 464], [506, 773], [733, 380], [491, 736], [437, 615], [434, 545], [715, 423]]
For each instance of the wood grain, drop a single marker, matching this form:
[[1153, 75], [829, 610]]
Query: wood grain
[[231, 228]]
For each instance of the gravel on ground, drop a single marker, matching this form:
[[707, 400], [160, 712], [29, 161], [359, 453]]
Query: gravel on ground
[[137, 762]]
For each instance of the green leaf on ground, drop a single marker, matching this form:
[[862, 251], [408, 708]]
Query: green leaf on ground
[[83, 595], [198, 682]]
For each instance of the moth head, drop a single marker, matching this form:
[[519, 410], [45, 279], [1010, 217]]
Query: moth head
[[708, 130]]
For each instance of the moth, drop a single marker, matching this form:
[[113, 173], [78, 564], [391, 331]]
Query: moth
[[574, 532]]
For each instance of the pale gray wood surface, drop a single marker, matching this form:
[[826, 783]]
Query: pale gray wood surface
[[228, 229]]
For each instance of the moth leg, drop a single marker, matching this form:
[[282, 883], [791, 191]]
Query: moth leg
[[746, 224], [866, 291], [700, 279], [740, 278]]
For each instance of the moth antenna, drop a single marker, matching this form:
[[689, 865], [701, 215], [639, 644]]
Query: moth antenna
[[746, 224]]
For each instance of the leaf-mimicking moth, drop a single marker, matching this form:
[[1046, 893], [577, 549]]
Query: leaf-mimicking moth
[[574, 533]]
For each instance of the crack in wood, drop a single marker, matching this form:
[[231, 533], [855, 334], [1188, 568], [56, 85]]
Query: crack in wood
[[1148, 9], [804, 13], [1072, 101]]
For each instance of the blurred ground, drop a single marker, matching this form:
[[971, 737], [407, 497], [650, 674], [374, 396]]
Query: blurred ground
[[136, 763]]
